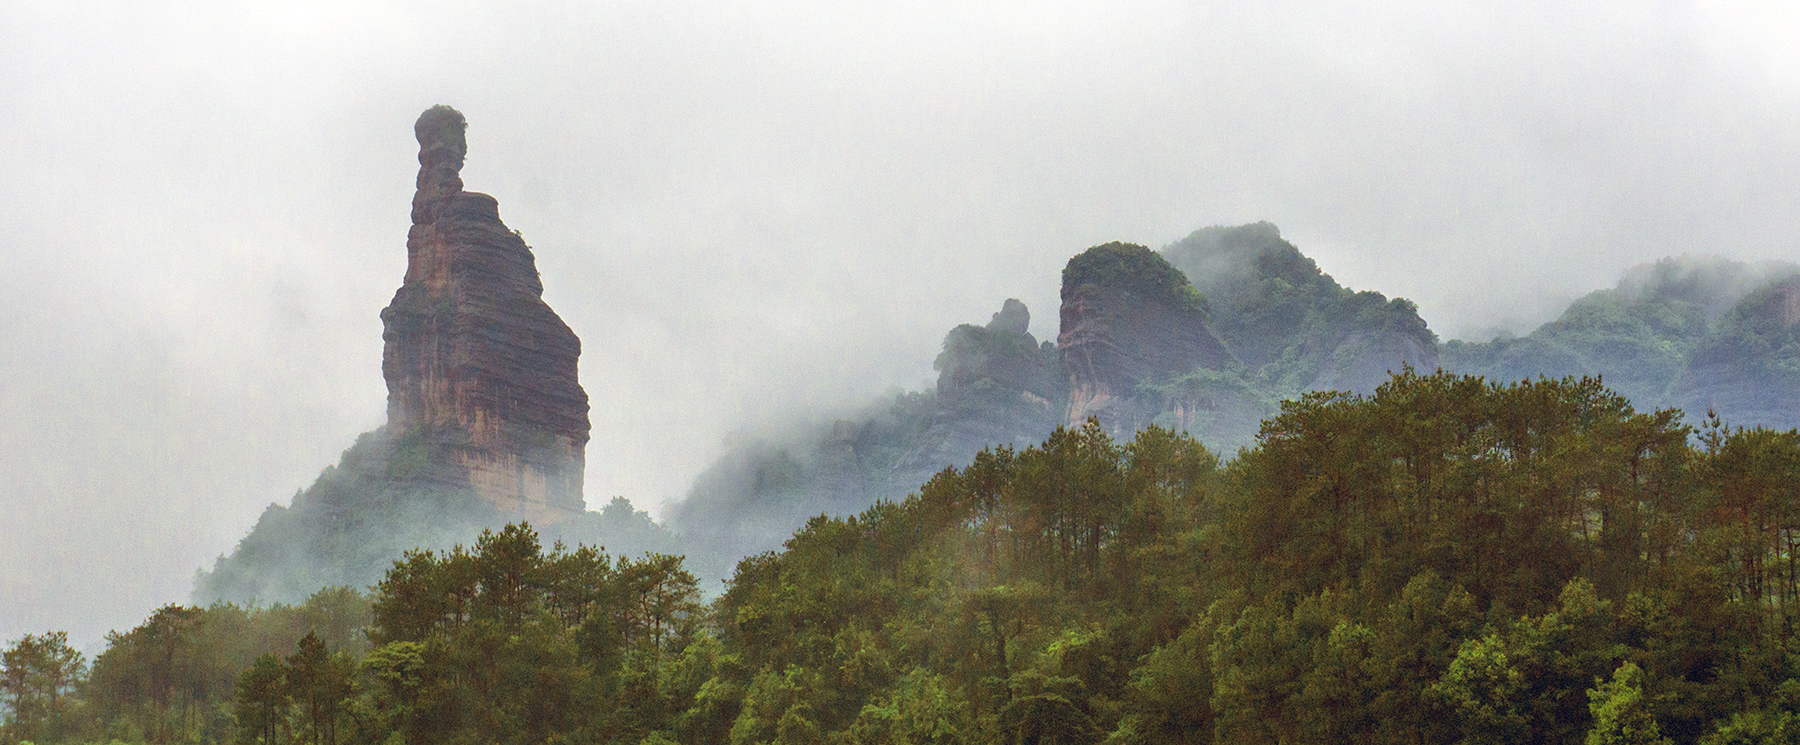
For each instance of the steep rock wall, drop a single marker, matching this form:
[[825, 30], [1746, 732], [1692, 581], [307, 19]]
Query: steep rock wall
[[481, 373], [1126, 324]]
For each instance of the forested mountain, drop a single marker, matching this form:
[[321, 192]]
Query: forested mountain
[[997, 384], [1443, 561], [347, 528], [1205, 513], [1205, 337], [1292, 325], [1255, 323], [1690, 333]]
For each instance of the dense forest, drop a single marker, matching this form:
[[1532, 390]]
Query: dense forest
[[1445, 560]]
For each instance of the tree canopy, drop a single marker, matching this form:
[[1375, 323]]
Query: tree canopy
[[1444, 561]]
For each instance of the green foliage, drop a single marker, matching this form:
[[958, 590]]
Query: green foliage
[[1128, 266], [1757, 728], [1640, 342], [1443, 561], [262, 699], [1621, 716], [1525, 682], [1295, 327], [348, 525], [38, 674], [972, 346], [171, 678], [1225, 406], [921, 709], [377, 503], [1000, 381], [1691, 333], [507, 637]]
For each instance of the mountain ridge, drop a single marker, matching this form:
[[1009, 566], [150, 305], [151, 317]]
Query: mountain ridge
[[1696, 334]]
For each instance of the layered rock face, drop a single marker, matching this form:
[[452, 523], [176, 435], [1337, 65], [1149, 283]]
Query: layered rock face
[[481, 373], [1129, 320]]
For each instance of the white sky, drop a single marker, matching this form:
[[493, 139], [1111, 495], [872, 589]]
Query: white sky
[[751, 209]]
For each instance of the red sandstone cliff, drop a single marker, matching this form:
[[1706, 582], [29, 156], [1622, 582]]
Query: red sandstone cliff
[[480, 371], [1127, 322]]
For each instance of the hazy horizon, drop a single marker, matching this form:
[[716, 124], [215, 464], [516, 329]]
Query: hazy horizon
[[748, 213]]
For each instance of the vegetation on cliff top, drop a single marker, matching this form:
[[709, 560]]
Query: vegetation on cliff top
[[1277, 311], [1129, 266]]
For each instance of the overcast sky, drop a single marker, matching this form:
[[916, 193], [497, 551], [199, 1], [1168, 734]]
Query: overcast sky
[[752, 209]]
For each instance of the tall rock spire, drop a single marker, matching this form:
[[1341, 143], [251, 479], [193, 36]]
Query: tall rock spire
[[481, 373]]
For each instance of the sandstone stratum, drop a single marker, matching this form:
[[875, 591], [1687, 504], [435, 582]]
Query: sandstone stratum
[[481, 373], [1129, 319]]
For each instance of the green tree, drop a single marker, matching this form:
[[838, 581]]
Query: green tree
[[396, 677], [919, 710], [262, 701], [37, 675], [1621, 715], [321, 684], [1525, 683]]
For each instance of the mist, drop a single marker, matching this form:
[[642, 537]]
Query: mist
[[750, 214]]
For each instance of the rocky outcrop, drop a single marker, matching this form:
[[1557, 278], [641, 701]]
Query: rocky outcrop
[[997, 385], [1012, 317], [1001, 355], [1130, 321], [481, 373]]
